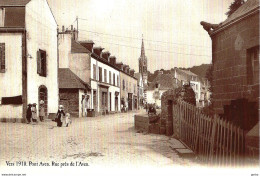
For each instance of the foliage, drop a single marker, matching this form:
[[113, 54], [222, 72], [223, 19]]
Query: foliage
[[186, 93], [234, 6]]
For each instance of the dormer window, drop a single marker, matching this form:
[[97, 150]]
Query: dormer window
[[2, 17]]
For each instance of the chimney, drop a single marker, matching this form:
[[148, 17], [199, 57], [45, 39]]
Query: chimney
[[106, 55], [88, 44], [63, 28], [112, 60], [120, 66], [98, 50], [132, 72]]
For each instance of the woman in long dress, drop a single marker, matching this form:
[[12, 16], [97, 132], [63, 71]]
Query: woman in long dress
[[59, 116], [34, 113]]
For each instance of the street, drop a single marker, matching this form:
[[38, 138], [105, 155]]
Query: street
[[100, 141]]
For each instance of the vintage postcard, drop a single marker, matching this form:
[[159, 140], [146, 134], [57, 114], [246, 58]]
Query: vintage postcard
[[129, 87]]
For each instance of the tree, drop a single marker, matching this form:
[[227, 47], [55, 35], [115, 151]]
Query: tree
[[234, 6]]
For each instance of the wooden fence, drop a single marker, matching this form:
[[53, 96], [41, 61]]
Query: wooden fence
[[214, 140]]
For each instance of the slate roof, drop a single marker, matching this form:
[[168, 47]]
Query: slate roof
[[166, 81], [188, 72], [69, 80], [14, 2], [248, 6], [78, 48]]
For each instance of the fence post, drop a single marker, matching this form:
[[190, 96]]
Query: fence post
[[213, 139]]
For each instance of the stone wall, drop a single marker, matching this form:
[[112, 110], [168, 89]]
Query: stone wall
[[166, 120], [69, 98], [230, 51]]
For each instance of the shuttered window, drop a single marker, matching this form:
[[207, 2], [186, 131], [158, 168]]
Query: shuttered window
[[2, 17], [41, 63], [2, 57]]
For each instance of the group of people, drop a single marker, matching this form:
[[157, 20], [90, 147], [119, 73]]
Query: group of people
[[61, 118], [31, 114]]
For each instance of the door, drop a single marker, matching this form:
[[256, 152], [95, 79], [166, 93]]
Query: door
[[95, 100], [110, 101], [43, 95]]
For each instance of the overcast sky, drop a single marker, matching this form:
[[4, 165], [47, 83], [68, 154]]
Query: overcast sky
[[173, 36]]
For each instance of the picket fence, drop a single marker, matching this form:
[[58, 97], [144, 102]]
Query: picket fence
[[214, 140]]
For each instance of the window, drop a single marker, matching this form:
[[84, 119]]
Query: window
[[117, 80], [134, 88], [41, 63], [105, 75], [104, 98], [126, 86], [2, 17], [2, 57], [114, 79], [252, 64], [100, 74], [94, 72], [123, 84], [110, 77]]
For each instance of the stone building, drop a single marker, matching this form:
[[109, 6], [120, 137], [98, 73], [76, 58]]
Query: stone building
[[235, 58], [158, 86], [74, 74], [128, 87], [140, 89], [28, 58], [72, 93]]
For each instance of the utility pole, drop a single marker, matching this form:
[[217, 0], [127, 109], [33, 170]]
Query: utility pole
[[77, 19]]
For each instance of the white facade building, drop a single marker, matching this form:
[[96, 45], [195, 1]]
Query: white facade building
[[105, 85], [29, 68]]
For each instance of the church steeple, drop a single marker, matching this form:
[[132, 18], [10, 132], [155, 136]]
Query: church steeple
[[142, 48], [143, 60]]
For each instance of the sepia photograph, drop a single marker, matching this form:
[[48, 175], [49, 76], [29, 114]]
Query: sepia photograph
[[129, 87]]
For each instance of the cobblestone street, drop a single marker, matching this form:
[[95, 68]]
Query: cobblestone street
[[101, 141]]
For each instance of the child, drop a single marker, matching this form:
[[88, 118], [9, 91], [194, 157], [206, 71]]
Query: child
[[67, 119], [41, 113]]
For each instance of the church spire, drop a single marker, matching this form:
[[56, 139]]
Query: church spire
[[142, 48]]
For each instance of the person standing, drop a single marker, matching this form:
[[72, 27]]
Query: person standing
[[29, 113], [59, 116], [34, 113], [42, 113]]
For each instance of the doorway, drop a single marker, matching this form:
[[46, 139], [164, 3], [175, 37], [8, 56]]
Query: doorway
[[43, 95]]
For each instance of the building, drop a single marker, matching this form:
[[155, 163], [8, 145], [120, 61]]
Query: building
[[72, 93], [74, 74], [140, 89], [128, 87], [204, 93], [28, 58], [187, 77], [105, 80], [158, 86], [235, 58], [143, 69]]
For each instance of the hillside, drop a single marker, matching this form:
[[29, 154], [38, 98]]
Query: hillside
[[200, 70]]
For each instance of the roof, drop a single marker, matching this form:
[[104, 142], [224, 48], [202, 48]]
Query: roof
[[14, 2], [188, 72], [242, 10], [69, 80], [166, 81], [78, 48]]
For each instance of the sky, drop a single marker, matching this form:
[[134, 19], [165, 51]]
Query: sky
[[173, 36]]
